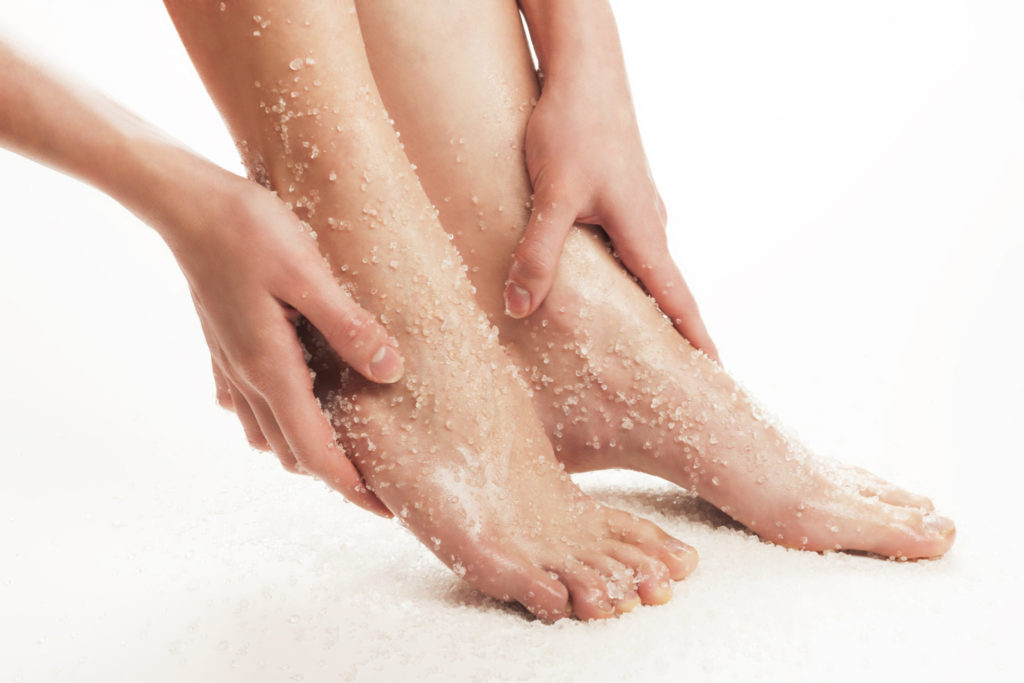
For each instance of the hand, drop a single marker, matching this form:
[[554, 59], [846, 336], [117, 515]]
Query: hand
[[587, 165], [253, 269]]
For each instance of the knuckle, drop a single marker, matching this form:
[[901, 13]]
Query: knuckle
[[633, 256], [291, 280], [258, 442], [290, 465], [557, 184], [356, 334], [662, 211], [258, 368], [533, 261], [304, 464]]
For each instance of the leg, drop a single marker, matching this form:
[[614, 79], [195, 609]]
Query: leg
[[615, 385], [453, 449]]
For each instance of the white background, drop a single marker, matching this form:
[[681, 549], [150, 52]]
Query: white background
[[844, 183]]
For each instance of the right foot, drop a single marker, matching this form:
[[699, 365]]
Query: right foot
[[455, 450]]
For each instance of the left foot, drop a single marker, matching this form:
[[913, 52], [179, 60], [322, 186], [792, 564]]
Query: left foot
[[646, 400]]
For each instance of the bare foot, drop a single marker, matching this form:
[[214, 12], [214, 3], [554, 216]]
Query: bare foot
[[453, 448], [614, 384], [645, 400]]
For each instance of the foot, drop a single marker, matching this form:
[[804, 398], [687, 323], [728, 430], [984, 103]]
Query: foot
[[617, 386], [456, 452], [614, 384], [455, 448]]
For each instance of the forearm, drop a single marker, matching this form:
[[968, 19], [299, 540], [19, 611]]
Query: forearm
[[575, 41], [80, 132]]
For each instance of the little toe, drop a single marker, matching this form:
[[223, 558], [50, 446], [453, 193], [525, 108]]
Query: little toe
[[588, 590]]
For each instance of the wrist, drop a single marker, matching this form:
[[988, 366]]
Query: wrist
[[576, 42], [167, 186]]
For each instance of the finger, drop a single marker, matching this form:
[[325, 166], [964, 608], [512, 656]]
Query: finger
[[223, 391], [268, 425], [353, 332], [311, 437], [253, 433], [650, 261], [670, 290], [535, 261]]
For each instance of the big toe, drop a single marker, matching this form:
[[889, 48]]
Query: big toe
[[509, 577], [900, 532], [920, 536]]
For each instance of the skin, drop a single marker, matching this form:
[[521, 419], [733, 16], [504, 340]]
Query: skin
[[454, 448], [250, 269], [586, 164], [614, 384]]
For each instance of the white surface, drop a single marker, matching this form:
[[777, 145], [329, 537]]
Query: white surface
[[845, 185]]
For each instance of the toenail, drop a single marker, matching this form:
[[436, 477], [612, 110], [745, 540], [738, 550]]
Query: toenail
[[939, 524], [662, 594], [679, 548], [629, 602]]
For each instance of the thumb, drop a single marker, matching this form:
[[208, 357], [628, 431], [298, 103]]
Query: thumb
[[535, 261], [353, 332]]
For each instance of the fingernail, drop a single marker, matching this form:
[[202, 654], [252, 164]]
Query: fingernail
[[517, 301], [386, 365]]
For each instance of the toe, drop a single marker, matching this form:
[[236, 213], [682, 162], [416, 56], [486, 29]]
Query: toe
[[680, 558], [915, 535], [874, 486], [894, 531], [652, 576], [588, 590], [620, 579], [509, 577], [896, 496]]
